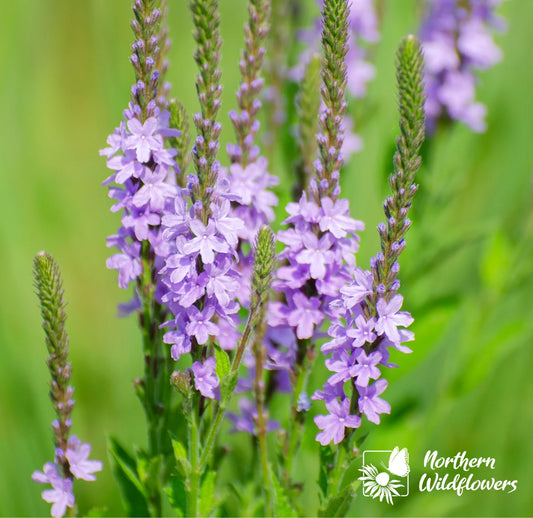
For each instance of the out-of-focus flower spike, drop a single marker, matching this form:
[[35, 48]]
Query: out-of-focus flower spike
[[458, 42], [308, 105], [179, 120]]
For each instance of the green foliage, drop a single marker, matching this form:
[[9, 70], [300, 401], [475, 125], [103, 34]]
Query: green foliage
[[327, 458], [223, 365], [339, 503], [282, 506], [207, 500], [228, 384], [452, 277], [177, 495], [127, 477]]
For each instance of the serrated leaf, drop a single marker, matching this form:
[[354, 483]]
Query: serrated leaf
[[227, 385], [223, 365], [339, 503], [182, 462], [207, 502], [177, 495], [282, 506], [125, 472]]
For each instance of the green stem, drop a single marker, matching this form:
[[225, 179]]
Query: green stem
[[153, 374], [261, 425], [194, 449], [213, 431], [298, 418], [267, 482], [335, 480]]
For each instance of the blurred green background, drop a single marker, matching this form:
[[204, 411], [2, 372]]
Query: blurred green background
[[466, 274]]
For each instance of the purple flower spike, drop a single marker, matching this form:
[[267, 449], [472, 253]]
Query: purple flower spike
[[457, 42]]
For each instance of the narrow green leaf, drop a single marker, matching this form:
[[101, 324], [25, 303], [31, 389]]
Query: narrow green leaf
[[360, 440], [125, 472]]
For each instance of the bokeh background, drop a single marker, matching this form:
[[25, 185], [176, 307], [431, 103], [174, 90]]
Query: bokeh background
[[466, 274]]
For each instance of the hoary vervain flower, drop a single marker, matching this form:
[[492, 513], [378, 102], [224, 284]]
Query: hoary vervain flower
[[144, 171], [457, 42], [200, 272], [320, 243], [70, 454], [145, 187], [367, 318]]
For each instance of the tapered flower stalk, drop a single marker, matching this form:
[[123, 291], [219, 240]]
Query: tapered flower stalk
[[308, 105], [249, 179], [144, 177], [200, 232], [179, 119], [321, 240], [368, 322], [70, 460]]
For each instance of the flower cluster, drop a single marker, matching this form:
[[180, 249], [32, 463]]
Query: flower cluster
[[143, 170], [359, 345], [366, 319], [320, 243], [79, 467], [248, 176], [457, 43], [201, 267], [144, 178], [320, 248]]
